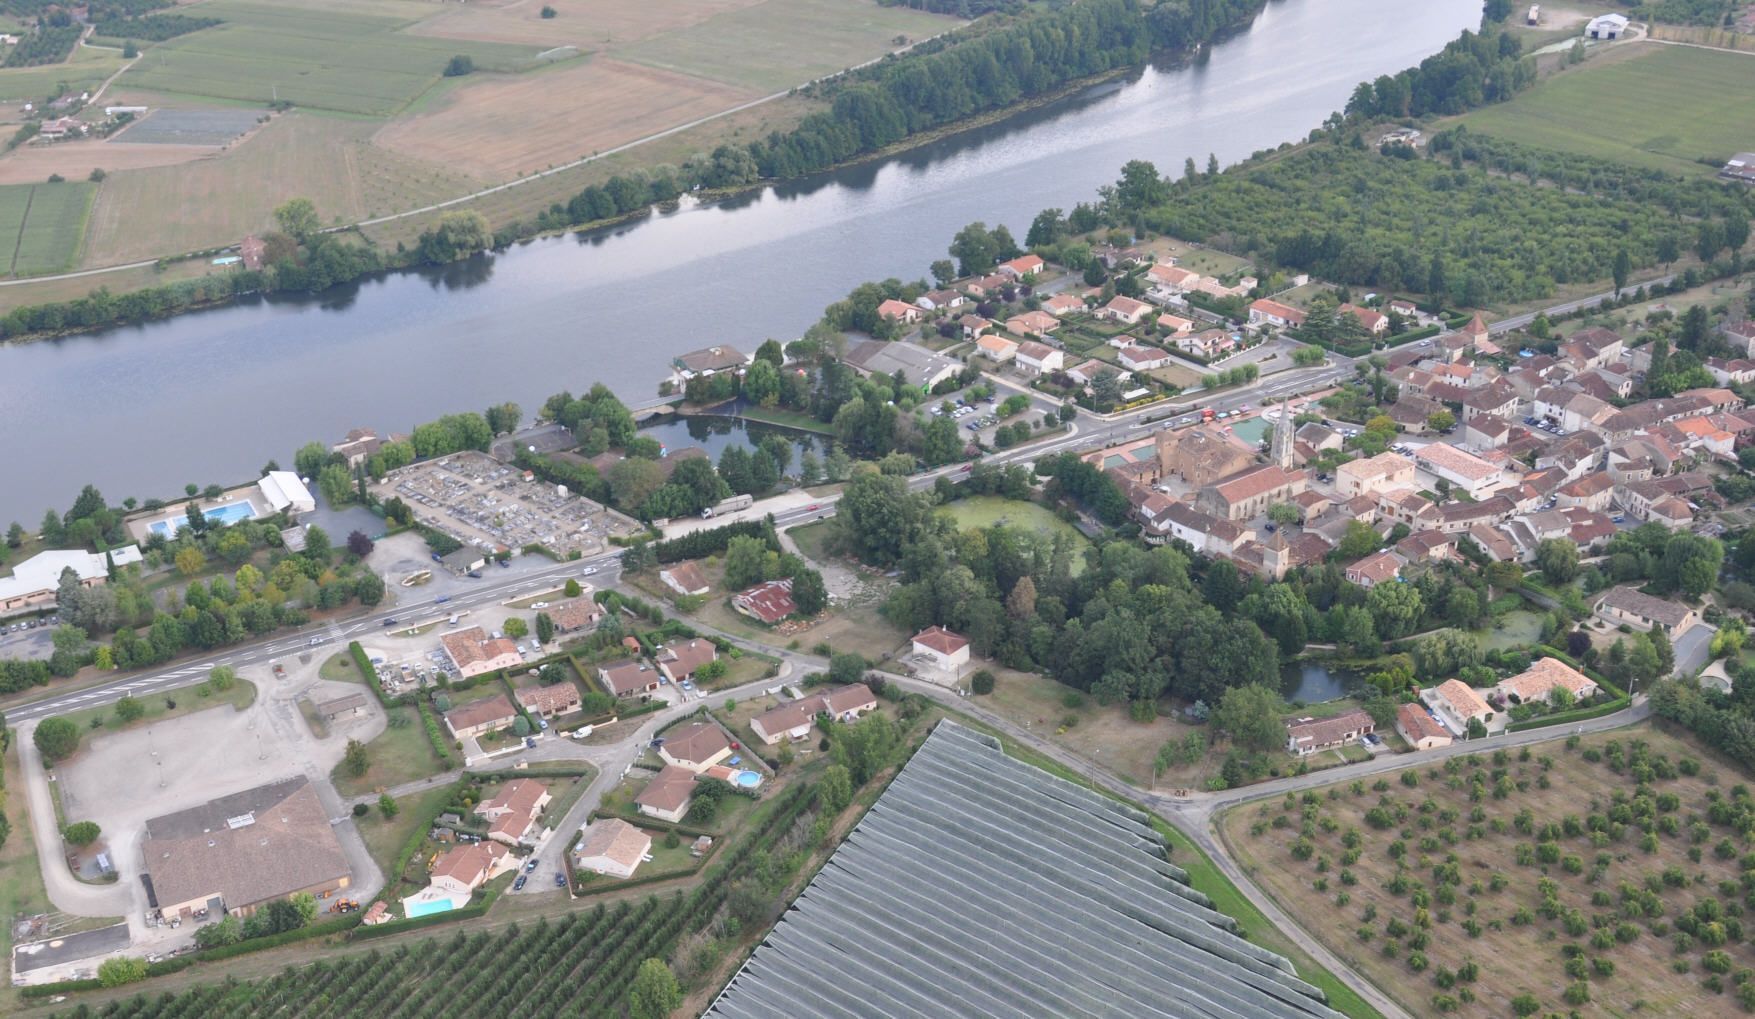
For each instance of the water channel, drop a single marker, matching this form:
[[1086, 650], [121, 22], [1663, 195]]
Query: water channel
[[209, 396]]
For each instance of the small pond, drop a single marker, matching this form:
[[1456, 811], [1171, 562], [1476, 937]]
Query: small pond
[[716, 434], [1312, 682]]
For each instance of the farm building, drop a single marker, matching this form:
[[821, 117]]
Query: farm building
[[768, 602]]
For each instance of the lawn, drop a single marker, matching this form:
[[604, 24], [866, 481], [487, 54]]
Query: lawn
[[384, 839], [21, 879], [314, 57], [339, 668], [775, 45], [1103, 734], [1664, 109], [163, 706], [401, 753], [1546, 861], [43, 224], [988, 510]]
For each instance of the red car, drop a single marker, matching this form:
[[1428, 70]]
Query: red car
[[968, 467], [813, 507]]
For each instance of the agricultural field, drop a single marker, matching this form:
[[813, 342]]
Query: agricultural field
[[468, 129], [772, 46], [590, 24], [327, 59], [1663, 107], [85, 69], [217, 200], [41, 226], [1603, 871]]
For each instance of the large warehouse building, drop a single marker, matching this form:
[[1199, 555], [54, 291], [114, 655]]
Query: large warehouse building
[[240, 852], [981, 886]]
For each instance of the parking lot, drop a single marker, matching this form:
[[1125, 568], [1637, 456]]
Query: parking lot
[[486, 504], [977, 419], [28, 639]]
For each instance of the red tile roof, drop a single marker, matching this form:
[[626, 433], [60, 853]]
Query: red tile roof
[[941, 640]]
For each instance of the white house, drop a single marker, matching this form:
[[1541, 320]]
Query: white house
[[941, 647], [1141, 359], [612, 846], [1039, 358]]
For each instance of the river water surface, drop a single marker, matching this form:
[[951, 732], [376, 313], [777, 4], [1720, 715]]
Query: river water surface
[[209, 396]]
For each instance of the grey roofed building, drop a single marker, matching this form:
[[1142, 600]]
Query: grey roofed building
[[921, 367], [956, 893]]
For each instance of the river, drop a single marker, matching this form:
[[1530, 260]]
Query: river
[[210, 396]]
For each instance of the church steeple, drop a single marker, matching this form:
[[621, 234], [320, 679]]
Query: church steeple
[[1281, 452]]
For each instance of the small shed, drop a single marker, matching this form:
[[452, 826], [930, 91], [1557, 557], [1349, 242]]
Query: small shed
[[342, 707]]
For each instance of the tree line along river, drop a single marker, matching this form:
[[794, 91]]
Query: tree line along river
[[211, 395]]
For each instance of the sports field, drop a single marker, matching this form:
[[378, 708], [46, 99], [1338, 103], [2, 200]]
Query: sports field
[[41, 226], [328, 59], [1663, 108]]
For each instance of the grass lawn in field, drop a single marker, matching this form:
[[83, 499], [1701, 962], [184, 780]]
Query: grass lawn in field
[[1177, 374], [813, 540], [1641, 892], [772, 46], [988, 510], [166, 705], [316, 57], [84, 69], [339, 668], [1663, 108], [384, 839], [1105, 735], [42, 225], [401, 753]]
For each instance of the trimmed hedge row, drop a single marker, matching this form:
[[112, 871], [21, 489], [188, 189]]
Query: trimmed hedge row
[[434, 733], [384, 930]]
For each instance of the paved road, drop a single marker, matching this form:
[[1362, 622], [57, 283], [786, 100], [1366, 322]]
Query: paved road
[[1506, 325]]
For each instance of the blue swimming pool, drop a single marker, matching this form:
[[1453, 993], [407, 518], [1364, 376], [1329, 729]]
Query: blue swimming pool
[[230, 513], [429, 907], [748, 779]]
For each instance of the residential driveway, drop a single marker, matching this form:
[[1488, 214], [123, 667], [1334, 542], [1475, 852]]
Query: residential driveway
[[1693, 649]]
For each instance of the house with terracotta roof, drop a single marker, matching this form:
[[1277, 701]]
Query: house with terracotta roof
[[1624, 605], [612, 846], [1172, 279], [998, 349], [1063, 304], [1591, 492], [942, 648], [1456, 704], [940, 300], [696, 746], [974, 326], [514, 810], [548, 701], [1459, 468], [1375, 323], [574, 614], [1541, 679], [681, 659], [1023, 265], [1306, 736], [1265, 311], [474, 653], [1420, 729], [793, 719], [477, 718], [768, 602], [1141, 359], [1176, 325], [668, 794], [1032, 323], [628, 679], [1376, 568], [455, 876], [898, 311], [1039, 358], [1124, 309], [1381, 473], [686, 579]]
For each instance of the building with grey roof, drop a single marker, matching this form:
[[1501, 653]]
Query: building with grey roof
[[981, 886], [921, 367]]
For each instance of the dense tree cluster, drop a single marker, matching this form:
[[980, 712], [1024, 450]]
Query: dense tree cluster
[[1472, 70]]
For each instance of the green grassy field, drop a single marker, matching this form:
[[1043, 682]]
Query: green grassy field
[[782, 43], [1662, 109], [987, 510], [327, 59], [83, 71], [42, 226]]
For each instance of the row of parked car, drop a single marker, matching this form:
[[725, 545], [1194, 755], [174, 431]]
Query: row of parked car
[[32, 624]]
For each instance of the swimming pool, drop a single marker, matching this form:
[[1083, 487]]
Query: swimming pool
[[747, 779], [230, 513]]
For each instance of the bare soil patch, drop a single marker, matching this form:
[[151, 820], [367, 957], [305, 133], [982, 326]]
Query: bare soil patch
[[32, 164], [515, 125]]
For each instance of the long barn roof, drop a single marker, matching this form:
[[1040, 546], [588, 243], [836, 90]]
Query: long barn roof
[[981, 886]]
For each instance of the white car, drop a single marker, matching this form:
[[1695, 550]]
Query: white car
[[539, 605], [589, 571]]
